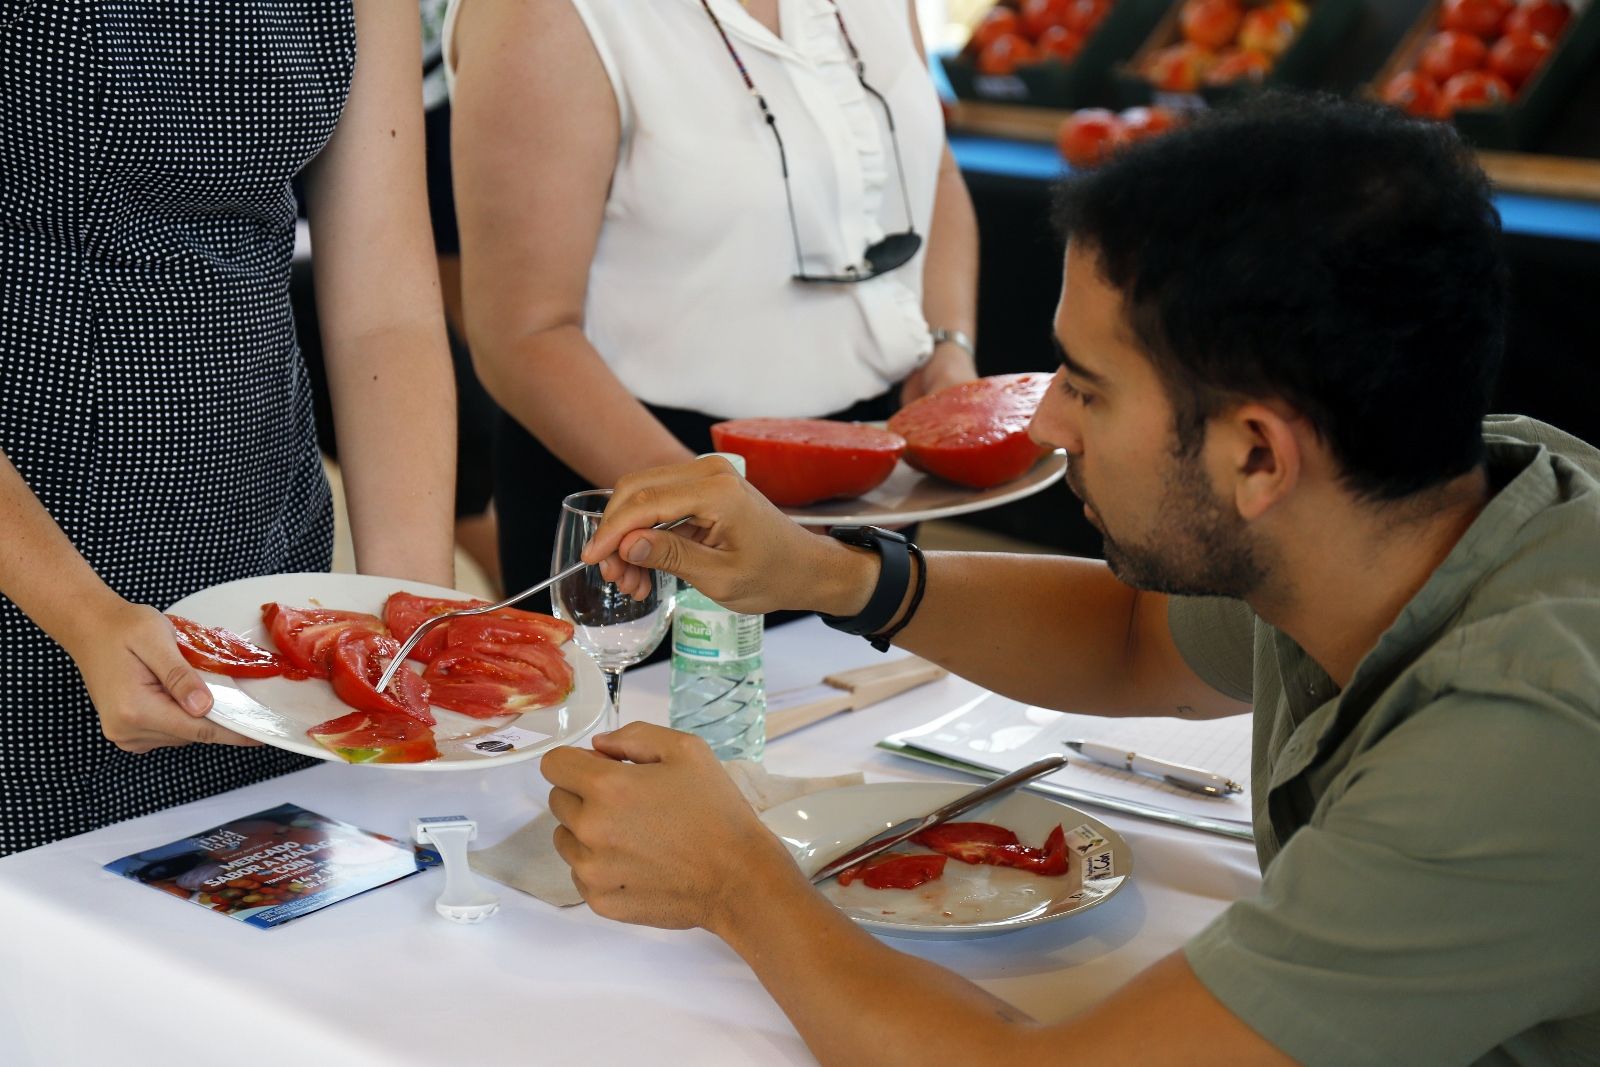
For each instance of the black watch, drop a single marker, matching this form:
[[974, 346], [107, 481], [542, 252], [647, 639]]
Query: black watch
[[894, 578]]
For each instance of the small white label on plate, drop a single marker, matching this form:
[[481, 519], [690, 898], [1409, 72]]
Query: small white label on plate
[[508, 740], [1098, 866], [1083, 839]]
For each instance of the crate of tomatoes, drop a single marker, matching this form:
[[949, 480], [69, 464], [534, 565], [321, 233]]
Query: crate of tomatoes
[[1213, 51], [1499, 69], [1049, 53]]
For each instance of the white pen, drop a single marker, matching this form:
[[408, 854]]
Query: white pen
[[1191, 778]]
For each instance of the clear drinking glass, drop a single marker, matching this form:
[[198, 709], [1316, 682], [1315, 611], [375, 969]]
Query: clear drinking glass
[[615, 629]]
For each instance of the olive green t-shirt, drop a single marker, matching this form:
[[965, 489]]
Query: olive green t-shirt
[[1430, 836]]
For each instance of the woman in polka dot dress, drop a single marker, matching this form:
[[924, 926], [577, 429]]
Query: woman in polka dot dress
[[155, 421]]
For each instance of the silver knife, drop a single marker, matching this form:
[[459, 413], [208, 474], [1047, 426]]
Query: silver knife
[[900, 831]]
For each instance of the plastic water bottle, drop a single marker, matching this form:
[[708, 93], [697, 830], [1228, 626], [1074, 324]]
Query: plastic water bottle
[[717, 688]]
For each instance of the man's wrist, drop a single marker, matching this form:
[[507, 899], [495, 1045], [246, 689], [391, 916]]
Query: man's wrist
[[852, 574]]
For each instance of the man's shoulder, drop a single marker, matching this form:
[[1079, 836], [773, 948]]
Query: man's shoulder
[[1520, 429]]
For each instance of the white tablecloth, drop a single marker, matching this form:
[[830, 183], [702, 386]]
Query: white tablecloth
[[98, 969]]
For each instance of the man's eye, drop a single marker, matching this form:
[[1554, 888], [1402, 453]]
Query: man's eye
[[1075, 393]]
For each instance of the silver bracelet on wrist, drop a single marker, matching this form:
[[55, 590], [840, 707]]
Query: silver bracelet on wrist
[[940, 335]]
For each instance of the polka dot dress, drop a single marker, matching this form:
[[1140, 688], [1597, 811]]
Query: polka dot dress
[[151, 393]]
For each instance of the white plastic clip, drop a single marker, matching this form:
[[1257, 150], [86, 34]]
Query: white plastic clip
[[462, 901]]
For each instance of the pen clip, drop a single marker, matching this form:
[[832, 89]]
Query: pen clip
[[1194, 787]]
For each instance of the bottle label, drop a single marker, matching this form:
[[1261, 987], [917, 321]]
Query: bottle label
[[711, 635]]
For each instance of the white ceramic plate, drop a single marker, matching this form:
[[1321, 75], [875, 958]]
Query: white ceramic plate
[[278, 712], [910, 496], [968, 900]]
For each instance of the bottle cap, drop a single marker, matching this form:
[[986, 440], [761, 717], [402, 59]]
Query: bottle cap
[[732, 457]]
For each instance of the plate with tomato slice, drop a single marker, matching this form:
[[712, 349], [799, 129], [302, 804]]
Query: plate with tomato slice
[[908, 495], [289, 656], [1016, 862]]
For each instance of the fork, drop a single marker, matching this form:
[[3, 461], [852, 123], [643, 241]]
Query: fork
[[421, 631]]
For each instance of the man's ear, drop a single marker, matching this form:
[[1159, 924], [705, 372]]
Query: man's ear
[[1258, 449]]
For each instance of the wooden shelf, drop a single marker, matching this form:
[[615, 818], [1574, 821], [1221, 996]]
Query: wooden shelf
[[1513, 172]]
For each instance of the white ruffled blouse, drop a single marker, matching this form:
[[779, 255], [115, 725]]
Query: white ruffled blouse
[[690, 298]]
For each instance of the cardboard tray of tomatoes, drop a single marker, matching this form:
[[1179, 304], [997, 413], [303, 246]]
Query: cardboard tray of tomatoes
[[1036, 77], [1296, 62], [1516, 124]]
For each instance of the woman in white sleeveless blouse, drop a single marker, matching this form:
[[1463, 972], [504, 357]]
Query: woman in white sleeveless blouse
[[629, 242]]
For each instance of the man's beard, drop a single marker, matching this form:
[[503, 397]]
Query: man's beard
[[1203, 548]]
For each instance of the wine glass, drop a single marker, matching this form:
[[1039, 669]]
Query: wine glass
[[615, 629]]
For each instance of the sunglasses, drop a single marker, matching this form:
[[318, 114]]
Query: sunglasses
[[896, 249]]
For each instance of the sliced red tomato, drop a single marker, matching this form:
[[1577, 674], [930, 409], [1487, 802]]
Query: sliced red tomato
[[509, 627], [976, 433], [795, 462], [969, 842], [211, 648], [404, 612], [359, 660], [377, 737], [486, 680], [981, 842], [305, 636], [895, 871]]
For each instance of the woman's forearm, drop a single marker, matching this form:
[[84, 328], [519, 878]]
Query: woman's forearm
[[40, 569], [556, 385], [950, 273]]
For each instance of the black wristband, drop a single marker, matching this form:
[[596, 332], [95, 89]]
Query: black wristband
[[882, 641], [894, 577]]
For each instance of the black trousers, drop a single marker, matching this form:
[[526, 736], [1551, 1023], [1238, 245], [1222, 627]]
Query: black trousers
[[530, 482]]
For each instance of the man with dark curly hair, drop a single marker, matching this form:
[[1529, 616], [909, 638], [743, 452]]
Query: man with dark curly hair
[[1279, 332]]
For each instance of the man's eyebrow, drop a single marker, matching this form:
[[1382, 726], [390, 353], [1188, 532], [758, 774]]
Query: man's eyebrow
[[1076, 369]]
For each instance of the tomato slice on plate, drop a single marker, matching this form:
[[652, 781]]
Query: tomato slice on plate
[[305, 636], [489, 679], [974, 434], [795, 462], [981, 842], [404, 612], [895, 871], [377, 737], [359, 659], [211, 648]]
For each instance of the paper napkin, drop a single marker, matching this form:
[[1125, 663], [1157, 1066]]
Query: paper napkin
[[527, 859]]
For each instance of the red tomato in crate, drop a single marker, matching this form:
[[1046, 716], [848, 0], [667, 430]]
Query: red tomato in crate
[[895, 871], [377, 737], [1005, 54], [359, 659], [1084, 16], [1040, 15], [1238, 64], [1179, 68], [1516, 57], [1481, 18], [974, 434], [1475, 88], [1088, 137], [220, 651], [1449, 53], [1417, 94], [1058, 42], [1549, 17], [1210, 23], [1269, 29], [1143, 123], [999, 22], [306, 636], [795, 462], [1297, 12]]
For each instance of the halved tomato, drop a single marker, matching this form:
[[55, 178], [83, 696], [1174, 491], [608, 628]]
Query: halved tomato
[[795, 462], [359, 659], [211, 648], [976, 433], [305, 636], [377, 737], [486, 680], [895, 871]]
